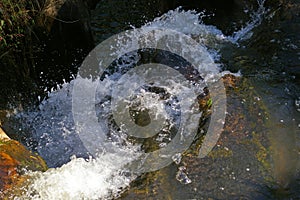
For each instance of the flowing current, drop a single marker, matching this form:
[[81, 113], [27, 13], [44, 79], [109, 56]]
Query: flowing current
[[76, 174]]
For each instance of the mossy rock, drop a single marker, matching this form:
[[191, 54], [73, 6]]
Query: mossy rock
[[231, 158], [15, 159]]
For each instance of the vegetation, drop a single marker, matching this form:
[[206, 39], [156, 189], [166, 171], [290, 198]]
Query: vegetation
[[16, 17], [16, 49]]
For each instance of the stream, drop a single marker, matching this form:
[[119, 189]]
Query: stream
[[256, 154]]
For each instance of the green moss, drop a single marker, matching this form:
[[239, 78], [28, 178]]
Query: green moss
[[25, 158], [220, 153], [262, 153], [209, 103], [262, 156]]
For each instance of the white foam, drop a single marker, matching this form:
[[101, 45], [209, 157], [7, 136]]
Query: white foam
[[190, 23], [82, 179]]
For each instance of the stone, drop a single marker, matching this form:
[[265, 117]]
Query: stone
[[14, 160], [3, 135]]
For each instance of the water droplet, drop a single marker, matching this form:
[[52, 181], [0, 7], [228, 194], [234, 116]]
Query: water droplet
[[297, 103], [177, 158], [182, 177]]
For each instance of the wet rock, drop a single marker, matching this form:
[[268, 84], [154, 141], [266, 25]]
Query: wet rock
[[8, 171], [236, 159], [204, 100], [14, 160], [3, 135]]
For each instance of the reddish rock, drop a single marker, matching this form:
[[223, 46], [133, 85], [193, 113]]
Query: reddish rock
[[14, 158], [8, 170]]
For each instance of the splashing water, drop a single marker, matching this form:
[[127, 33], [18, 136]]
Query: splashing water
[[256, 19], [102, 177], [82, 179]]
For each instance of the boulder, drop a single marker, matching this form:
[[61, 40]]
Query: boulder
[[15, 159]]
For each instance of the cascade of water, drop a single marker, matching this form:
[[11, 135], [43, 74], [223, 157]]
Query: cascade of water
[[53, 126]]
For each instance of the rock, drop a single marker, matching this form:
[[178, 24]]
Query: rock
[[3, 135], [14, 159], [8, 170], [235, 156]]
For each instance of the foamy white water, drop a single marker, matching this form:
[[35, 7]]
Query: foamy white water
[[53, 128], [81, 179]]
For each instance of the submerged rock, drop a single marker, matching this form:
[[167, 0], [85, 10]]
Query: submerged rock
[[14, 160]]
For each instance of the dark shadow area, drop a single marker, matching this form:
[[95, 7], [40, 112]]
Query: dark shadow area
[[65, 47], [49, 54]]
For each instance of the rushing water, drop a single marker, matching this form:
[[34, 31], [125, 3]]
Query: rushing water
[[76, 174]]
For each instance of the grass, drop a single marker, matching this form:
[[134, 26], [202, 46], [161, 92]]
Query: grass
[[15, 17], [16, 30]]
